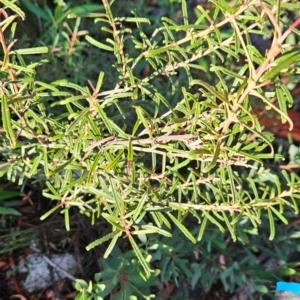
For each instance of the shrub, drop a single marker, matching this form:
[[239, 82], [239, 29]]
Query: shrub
[[161, 134]]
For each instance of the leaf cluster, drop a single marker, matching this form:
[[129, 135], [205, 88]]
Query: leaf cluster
[[167, 135]]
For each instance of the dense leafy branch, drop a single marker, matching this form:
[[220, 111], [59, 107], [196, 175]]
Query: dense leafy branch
[[177, 148]]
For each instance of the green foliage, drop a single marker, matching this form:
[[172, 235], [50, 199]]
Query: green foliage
[[11, 239], [5, 206], [123, 275], [151, 128]]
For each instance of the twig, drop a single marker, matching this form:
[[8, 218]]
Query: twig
[[57, 267], [111, 140]]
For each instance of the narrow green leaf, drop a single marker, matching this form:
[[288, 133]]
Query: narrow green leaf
[[8, 195], [229, 226], [9, 211], [279, 215], [61, 167], [227, 72], [79, 119], [284, 97], [139, 207], [34, 166], [134, 19], [214, 221], [28, 51], [232, 185], [117, 197], [184, 12], [114, 163], [45, 161], [139, 255], [6, 119], [7, 22], [49, 212], [184, 230], [110, 125], [215, 157], [66, 212], [113, 221], [129, 158], [13, 7], [37, 11], [99, 81], [83, 90], [156, 52], [163, 219], [39, 120], [98, 44], [111, 245], [53, 94], [272, 224], [84, 9], [102, 240], [154, 229], [209, 88], [281, 63], [92, 172], [202, 228], [72, 99]]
